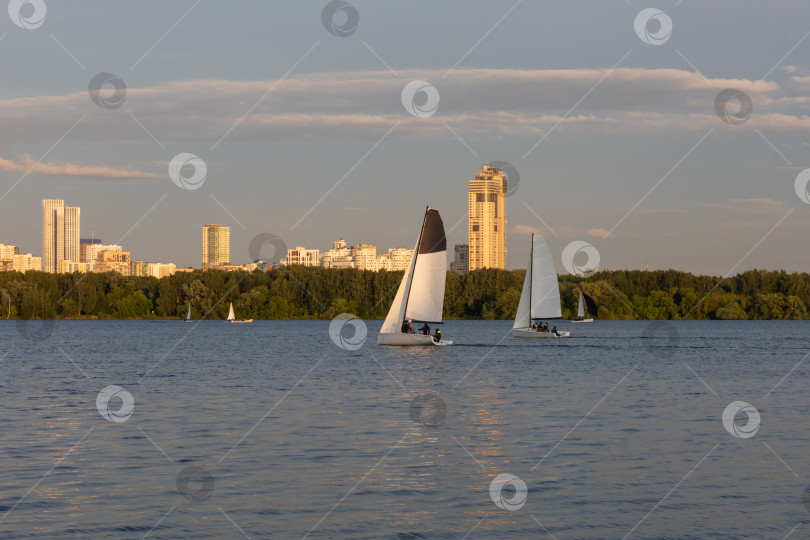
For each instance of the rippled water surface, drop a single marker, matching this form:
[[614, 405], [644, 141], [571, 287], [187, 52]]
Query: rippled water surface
[[272, 430]]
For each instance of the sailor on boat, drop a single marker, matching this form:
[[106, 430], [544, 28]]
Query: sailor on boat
[[437, 337], [425, 329]]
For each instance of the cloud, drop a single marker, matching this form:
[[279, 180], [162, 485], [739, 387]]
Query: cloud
[[599, 232], [750, 206], [26, 164], [476, 103], [525, 229], [660, 211]]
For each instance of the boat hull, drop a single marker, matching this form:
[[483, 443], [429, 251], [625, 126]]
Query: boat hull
[[411, 340], [241, 321], [534, 334], [582, 320]]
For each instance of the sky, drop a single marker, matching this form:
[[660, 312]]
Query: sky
[[607, 110]]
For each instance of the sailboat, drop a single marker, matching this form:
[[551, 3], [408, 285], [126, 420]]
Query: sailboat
[[188, 315], [540, 299], [582, 311], [232, 318], [420, 296]]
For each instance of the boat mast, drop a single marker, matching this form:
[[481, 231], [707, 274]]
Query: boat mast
[[415, 255], [531, 280]]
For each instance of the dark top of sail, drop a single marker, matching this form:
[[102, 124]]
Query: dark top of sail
[[433, 239], [590, 304]]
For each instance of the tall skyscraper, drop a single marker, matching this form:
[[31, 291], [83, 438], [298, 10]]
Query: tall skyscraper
[[60, 233], [487, 222], [216, 245]]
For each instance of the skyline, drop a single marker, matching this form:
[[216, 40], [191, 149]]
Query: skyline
[[642, 153]]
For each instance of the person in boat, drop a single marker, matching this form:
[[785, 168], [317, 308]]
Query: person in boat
[[407, 327], [537, 326], [425, 329], [437, 337], [545, 327], [554, 330]]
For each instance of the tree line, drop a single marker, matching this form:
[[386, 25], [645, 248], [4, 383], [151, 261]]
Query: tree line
[[298, 292]]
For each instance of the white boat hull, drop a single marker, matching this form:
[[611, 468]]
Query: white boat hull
[[410, 340], [582, 320], [534, 334], [241, 321]]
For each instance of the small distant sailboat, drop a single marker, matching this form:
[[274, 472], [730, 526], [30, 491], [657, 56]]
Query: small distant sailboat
[[582, 311], [540, 299], [232, 317], [188, 315], [420, 297]]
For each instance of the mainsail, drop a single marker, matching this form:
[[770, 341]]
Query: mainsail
[[540, 298], [581, 307], [420, 296], [545, 291], [231, 316]]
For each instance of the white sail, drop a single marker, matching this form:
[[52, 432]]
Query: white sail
[[420, 296], [545, 292], [393, 321], [426, 295], [523, 318], [231, 316], [188, 315], [581, 308]]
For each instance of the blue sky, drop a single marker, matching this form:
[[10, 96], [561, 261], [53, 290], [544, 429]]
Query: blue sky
[[631, 144]]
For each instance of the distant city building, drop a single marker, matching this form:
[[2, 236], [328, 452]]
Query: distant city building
[[216, 246], [362, 257], [339, 256], [68, 267], [8, 251], [84, 247], [138, 268], [60, 233], [365, 257], [112, 261], [161, 270], [400, 258], [461, 261], [487, 221], [302, 256], [92, 252], [25, 262]]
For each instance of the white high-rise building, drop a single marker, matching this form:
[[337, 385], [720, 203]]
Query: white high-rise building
[[60, 233], [216, 246]]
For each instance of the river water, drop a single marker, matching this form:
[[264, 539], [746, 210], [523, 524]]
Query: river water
[[281, 429]]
